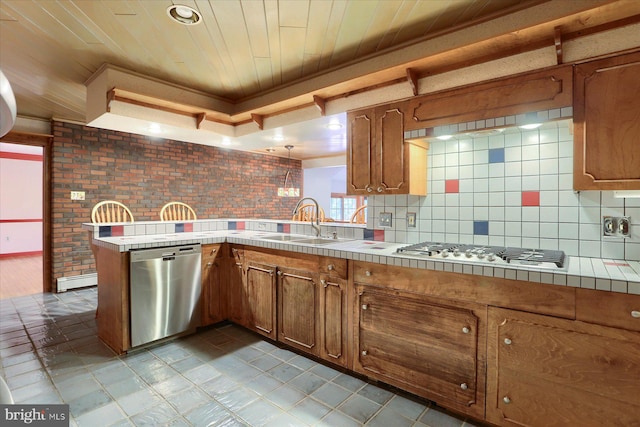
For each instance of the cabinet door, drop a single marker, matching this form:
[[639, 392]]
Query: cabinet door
[[333, 319], [607, 124], [423, 347], [359, 151], [545, 371], [211, 285], [298, 309], [236, 288], [390, 163], [261, 298]]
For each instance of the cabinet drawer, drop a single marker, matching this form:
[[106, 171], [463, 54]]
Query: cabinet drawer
[[335, 267], [608, 308]]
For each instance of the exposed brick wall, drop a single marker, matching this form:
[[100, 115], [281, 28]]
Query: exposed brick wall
[[145, 173]]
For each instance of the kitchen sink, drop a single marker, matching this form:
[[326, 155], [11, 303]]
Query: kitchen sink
[[281, 237], [318, 241]]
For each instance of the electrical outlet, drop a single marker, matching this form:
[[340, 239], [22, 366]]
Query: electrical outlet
[[616, 226], [262, 226], [385, 219], [77, 195]]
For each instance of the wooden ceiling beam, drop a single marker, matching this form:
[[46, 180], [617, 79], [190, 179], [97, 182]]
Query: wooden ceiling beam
[[558, 43], [258, 119], [412, 78], [320, 103]]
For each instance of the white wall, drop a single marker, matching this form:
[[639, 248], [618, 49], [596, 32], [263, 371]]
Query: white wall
[[20, 199], [319, 183]]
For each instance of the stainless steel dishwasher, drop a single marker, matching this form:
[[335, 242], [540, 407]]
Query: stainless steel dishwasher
[[165, 285]]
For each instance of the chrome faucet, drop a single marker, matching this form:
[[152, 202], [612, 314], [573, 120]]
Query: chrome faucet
[[315, 226]]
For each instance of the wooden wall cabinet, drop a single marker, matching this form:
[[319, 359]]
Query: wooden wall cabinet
[[213, 307], [423, 345], [606, 115], [544, 371], [379, 161]]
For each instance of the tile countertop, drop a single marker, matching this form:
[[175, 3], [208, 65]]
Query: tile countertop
[[591, 273]]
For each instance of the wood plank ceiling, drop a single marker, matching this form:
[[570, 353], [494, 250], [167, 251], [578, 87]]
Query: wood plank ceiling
[[240, 51]]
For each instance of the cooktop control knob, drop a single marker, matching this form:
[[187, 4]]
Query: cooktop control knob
[[468, 253], [491, 256], [480, 255], [456, 252], [444, 253]]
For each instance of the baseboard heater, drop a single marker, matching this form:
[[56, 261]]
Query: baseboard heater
[[74, 282]]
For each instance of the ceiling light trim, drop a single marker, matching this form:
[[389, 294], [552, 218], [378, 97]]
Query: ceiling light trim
[[184, 15]]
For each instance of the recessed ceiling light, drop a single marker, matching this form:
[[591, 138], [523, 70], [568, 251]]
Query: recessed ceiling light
[[155, 128], [226, 141], [334, 126], [184, 14], [444, 137], [278, 137]]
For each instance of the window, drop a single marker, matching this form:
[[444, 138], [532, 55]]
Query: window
[[343, 206]]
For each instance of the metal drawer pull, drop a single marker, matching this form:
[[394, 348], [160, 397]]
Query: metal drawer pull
[[635, 314], [464, 386], [466, 330], [506, 399], [367, 273], [507, 341], [365, 306], [330, 267], [209, 264], [323, 282], [279, 273], [364, 352]]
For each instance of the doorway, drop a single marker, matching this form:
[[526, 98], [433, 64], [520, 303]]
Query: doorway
[[25, 258]]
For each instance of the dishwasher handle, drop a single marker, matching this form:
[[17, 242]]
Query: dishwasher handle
[[169, 258]]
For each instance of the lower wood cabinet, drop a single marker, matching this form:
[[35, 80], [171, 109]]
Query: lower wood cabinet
[[260, 290], [424, 345], [333, 319], [236, 299], [213, 307], [545, 371], [298, 309]]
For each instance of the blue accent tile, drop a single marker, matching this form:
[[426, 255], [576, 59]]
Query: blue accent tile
[[496, 155], [481, 228], [368, 234], [280, 228], [104, 231], [232, 225], [179, 228]]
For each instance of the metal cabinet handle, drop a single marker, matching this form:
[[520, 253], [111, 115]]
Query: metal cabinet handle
[[506, 399], [331, 267], [466, 330], [279, 273], [369, 189], [209, 264], [365, 306], [380, 189], [507, 341], [464, 386], [213, 251], [367, 273], [635, 314], [364, 352], [323, 283]]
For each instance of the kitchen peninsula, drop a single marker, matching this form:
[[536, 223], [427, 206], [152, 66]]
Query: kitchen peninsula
[[478, 339]]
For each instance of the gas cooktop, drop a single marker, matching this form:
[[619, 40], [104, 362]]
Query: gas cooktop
[[499, 255]]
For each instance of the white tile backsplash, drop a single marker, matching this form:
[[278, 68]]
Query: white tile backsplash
[[490, 189]]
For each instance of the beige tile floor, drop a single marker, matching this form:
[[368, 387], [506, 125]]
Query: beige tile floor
[[220, 376]]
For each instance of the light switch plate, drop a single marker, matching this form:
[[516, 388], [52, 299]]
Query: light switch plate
[[385, 219], [411, 219]]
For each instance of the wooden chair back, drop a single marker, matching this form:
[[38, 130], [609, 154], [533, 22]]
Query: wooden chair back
[[110, 211], [359, 216], [307, 212], [177, 211]]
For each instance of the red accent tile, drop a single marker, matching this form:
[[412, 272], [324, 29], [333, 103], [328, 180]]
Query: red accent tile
[[452, 186], [240, 225], [616, 264], [286, 228], [530, 198], [378, 235], [117, 230], [188, 227]]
